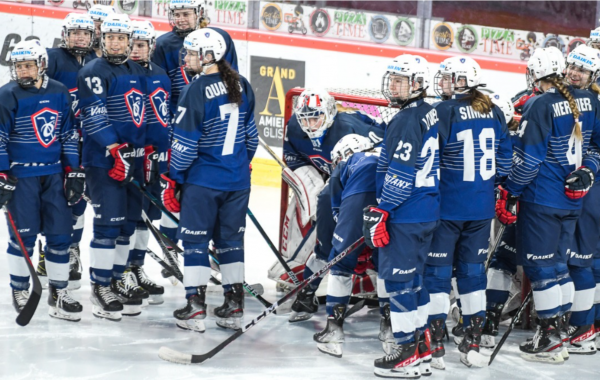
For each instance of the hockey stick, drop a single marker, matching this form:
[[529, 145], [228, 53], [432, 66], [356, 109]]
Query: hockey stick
[[166, 266], [494, 247], [174, 356], [287, 268], [36, 292], [510, 327]]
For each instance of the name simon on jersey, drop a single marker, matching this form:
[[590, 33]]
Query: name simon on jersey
[[468, 112], [562, 108], [431, 118]]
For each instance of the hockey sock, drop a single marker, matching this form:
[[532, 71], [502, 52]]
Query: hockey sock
[[196, 270], [140, 245], [583, 301], [339, 289], [382, 294], [421, 322], [437, 280], [102, 254], [168, 227], [57, 260], [121, 256], [567, 292], [231, 260], [403, 308], [78, 223], [547, 294], [17, 267], [498, 286]]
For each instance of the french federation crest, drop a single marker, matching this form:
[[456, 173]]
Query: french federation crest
[[321, 163], [135, 104], [75, 101], [44, 124], [158, 100]]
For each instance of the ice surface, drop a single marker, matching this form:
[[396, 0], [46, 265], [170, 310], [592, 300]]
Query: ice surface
[[274, 349]]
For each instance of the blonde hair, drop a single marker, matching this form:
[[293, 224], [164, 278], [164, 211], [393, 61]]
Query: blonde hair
[[513, 125], [480, 102], [203, 23], [594, 87], [564, 91]]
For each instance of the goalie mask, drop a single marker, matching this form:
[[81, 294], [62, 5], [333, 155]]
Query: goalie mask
[[315, 111], [114, 27], [583, 64], [457, 75], [143, 31], [24, 55], [99, 13], [407, 77], [78, 34], [545, 63], [505, 105], [197, 46], [185, 15], [348, 145]]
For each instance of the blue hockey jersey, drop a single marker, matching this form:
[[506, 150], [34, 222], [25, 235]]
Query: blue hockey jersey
[[36, 130], [213, 140], [158, 123], [546, 150], [299, 150], [353, 176], [63, 67], [475, 153], [408, 167], [112, 102], [166, 55]]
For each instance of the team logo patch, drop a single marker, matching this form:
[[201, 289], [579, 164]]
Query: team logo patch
[[44, 124], [462, 60], [206, 34], [135, 104], [75, 101], [321, 163], [158, 100]]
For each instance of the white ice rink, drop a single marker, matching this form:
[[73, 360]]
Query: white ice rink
[[97, 349]]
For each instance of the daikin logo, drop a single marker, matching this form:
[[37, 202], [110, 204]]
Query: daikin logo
[[531, 256]]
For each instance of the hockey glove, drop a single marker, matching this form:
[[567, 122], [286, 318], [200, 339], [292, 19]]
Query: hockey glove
[[374, 228], [507, 207], [579, 182], [74, 185], [150, 165], [124, 156], [8, 184], [170, 193]]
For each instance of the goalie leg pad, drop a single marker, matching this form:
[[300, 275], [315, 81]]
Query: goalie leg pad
[[307, 184]]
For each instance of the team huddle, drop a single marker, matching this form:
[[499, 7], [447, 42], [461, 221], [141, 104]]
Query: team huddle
[[144, 129]]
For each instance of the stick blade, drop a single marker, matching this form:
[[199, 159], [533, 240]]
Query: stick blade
[[28, 311], [173, 356]]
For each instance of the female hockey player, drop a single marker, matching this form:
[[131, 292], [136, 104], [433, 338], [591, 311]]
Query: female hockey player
[[402, 225], [99, 13], [112, 101], [475, 149], [64, 63], [214, 140], [158, 90], [545, 187], [309, 161], [38, 147]]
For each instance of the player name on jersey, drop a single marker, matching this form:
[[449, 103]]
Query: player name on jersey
[[562, 108], [468, 112]]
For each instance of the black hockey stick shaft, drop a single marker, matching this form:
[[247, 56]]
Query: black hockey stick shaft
[[177, 357], [510, 327], [285, 266], [28, 311], [495, 246], [166, 266], [304, 240]]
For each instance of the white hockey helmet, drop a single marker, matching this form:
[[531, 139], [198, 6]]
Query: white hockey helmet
[[316, 107], [594, 40], [77, 21], [348, 145], [24, 51], [119, 24], [144, 30], [196, 5], [204, 41], [544, 63], [458, 69], [415, 68], [585, 58], [505, 105], [100, 12]]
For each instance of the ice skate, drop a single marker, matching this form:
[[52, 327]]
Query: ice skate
[[490, 329], [402, 363], [582, 340], [331, 339], [19, 299], [41, 267], [191, 316], [425, 353], [546, 345], [131, 284], [458, 332], [305, 305], [155, 291], [62, 305], [469, 345], [74, 268], [105, 303], [132, 304], [437, 329], [231, 312], [386, 336]]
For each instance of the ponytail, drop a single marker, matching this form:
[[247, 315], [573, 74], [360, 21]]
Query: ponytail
[[480, 102], [513, 125], [203, 23], [231, 78], [594, 87], [564, 91]]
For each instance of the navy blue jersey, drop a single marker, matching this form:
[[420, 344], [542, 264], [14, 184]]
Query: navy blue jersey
[[299, 150], [475, 153], [36, 129], [213, 140], [112, 102], [546, 150], [158, 123], [63, 67], [408, 167], [166, 55], [353, 176]]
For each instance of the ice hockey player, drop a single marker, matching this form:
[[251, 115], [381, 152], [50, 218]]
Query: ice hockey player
[[403, 222], [158, 89], [214, 141], [545, 186], [39, 174], [64, 63], [99, 13], [112, 88], [309, 161], [475, 150]]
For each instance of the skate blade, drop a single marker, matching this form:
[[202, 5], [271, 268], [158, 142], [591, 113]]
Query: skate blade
[[565, 353], [156, 299], [487, 341], [474, 359], [299, 316], [131, 310], [402, 372], [230, 323], [98, 312], [55, 312], [145, 302], [333, 349], [457, 339], [425, 368], [583, 349], [74, 285], [438, 363], [544, 357], [191, 324]]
